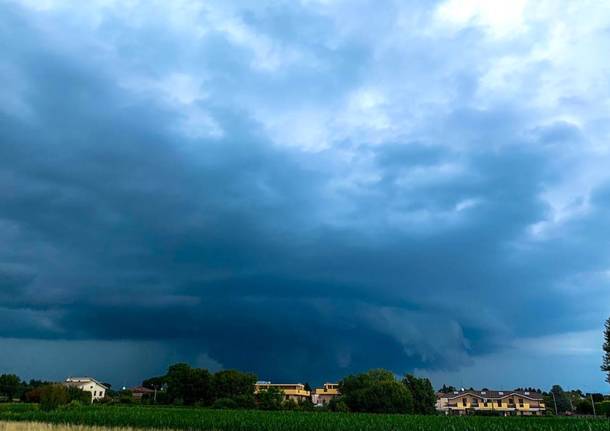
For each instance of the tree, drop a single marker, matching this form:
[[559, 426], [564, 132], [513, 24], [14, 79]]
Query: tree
[[9, 385], [233, 383], [584, 407], [447, 389], [361, 381], [155, 382], [189, 385], [606, 359], [560, 399], [338, 404], [76, 394], [424, 398], [270, 399], [376, 391], [53, 396]]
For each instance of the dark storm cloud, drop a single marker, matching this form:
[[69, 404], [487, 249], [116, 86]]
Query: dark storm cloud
[[121, 223]]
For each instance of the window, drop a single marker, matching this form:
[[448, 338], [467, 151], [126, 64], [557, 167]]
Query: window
[[94, 393], [499, 403]]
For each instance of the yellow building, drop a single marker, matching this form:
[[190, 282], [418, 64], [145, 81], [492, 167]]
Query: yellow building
[[322, 396], [292, 391], [507, 403]]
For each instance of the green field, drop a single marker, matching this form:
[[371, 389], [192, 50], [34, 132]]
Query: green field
[[239, 420]]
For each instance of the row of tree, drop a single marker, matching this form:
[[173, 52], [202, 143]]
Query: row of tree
[[183, 384], [374, 391], [12, 387]]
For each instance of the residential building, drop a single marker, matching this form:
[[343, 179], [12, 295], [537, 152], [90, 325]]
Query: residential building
[[506, 403], [292, 391], [140, 391], [88, 384], [322, 396]]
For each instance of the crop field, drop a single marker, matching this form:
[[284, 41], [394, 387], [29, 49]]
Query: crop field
[[38, 426], [240, 420]]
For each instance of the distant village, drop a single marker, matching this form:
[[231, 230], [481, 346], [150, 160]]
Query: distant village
[[372, 391], [456, 402]]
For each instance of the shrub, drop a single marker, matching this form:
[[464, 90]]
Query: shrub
[[53, 396], [338, 405], [290, 404], [245, 401], [74, 404], [270, 399], [32, 396], [76, 394], [603, 408]]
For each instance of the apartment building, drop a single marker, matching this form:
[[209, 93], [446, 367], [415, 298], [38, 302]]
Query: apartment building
[[292, 391], [322, 396], [506, 403]]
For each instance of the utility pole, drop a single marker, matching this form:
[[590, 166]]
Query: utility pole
[[593, 404], [554, 402]]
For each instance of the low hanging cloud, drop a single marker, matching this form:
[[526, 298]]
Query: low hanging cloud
[[301, 189]]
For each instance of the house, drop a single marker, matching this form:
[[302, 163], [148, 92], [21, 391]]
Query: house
[[322, 396], [88, 384], [140, 391], [506, 403], [292, 391]]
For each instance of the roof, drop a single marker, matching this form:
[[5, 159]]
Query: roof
[[75, 381], [141, 390], [492, 394]]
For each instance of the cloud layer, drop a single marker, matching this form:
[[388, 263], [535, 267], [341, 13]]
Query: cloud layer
[[303, 189]]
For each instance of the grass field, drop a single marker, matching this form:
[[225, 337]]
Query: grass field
[[238, 420]]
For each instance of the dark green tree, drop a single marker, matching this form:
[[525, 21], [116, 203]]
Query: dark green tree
[[560, 398], [76, 394], [270, 399], [364, 380], [9, 385], [155, 382], [376, 391], [606, 359], [424, 398], [447, 389], [233, 383], [53, 396], [584, 407], [189, 385]]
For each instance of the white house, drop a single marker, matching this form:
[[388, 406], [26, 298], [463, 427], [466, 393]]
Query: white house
[[88, 384]]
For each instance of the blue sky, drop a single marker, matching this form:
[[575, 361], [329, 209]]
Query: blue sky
[[306, 189]]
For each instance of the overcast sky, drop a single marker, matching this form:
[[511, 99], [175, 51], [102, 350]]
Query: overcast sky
[[305, 189]]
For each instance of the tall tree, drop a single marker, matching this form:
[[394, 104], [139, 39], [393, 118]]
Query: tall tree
[[376, 391], [559, 398], [606, 360], [9, 385], [233, 383], [189, 385], [424, 398]]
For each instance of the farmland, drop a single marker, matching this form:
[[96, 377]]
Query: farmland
[[181, 418]]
